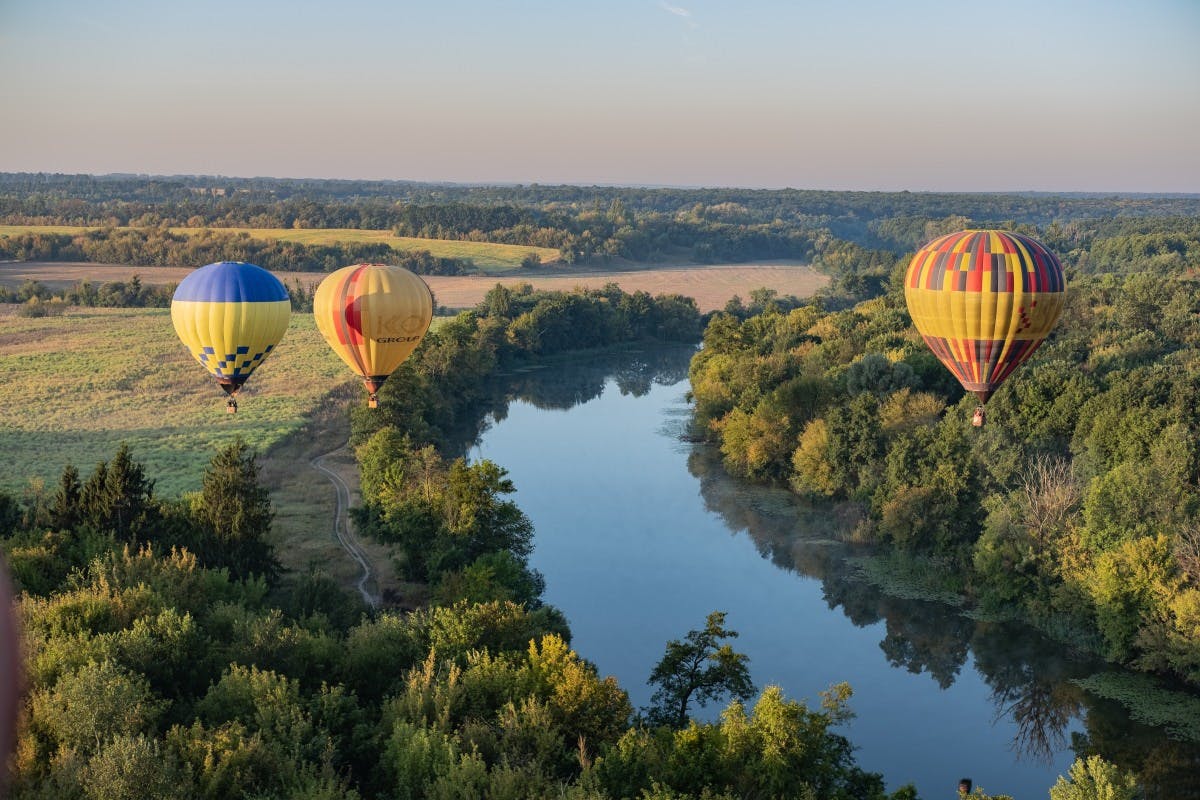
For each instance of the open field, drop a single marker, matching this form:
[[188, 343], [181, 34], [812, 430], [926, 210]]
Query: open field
[[73, 387], [711, 285], [487, 256]]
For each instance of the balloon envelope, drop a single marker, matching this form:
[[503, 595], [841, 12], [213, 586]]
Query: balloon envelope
[[373, 316], [230, 315], [984, 300]]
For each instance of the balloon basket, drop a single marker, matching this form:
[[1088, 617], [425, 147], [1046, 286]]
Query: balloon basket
[[373, 401], [979, 417]]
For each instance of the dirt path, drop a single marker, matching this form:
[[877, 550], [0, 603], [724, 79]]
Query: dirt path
[[342, 530], [298, 474]]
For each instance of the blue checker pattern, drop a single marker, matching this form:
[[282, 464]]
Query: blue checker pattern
[[232, 365]]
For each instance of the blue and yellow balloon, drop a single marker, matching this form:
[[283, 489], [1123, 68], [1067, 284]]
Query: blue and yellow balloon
[[230, 316]]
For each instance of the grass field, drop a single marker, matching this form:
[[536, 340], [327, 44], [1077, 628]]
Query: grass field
[[72, 388], [487, 256]]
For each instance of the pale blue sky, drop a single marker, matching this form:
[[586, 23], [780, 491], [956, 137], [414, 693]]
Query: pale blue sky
[[1100, 95]]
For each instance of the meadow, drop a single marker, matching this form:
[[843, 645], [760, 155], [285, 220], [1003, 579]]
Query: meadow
[[487, 256], [73, 387]]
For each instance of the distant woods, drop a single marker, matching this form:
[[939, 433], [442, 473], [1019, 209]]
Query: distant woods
[[160, 247], [856, 238], [38, 300]]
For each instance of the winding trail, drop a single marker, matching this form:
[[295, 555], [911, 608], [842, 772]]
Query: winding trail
[[341, 525]]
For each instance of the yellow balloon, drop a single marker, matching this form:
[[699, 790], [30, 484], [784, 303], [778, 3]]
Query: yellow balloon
[[230, 316], [373, 316], [984, 301]]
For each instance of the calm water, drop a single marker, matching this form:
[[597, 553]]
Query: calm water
[[640, 535]]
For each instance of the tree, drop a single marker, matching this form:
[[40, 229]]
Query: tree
[[1095, 779], [476, 520], [64, 511], [134, 768], [235, 511], [117, 497], [699, 668], [88, 707]]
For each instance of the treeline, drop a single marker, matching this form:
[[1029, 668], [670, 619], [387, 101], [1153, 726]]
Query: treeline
[[42, 198], [161, 247], [40, 300], [1075, 508], [593, 233]]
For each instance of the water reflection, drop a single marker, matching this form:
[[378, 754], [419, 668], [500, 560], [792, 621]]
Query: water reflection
[[563, 384], [1029, 675]]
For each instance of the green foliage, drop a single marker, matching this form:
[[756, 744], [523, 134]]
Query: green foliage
[[117, 497], [86, 708], [234, 510], [134, 768], [779, 749], [1095, 779], [158, 246]]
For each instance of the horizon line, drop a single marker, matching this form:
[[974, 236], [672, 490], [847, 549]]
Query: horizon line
[[603, 184]]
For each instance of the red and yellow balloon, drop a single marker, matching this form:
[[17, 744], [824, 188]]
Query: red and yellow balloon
[[984, 301], [373, 316]]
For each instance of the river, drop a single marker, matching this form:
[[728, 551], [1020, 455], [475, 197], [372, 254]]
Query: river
[[640, 535]]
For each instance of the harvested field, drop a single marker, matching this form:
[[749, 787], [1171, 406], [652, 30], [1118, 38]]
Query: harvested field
[[710, 285]]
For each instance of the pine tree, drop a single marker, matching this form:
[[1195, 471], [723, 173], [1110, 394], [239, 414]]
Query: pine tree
[[128, 495], [65, 512], [236, 512]]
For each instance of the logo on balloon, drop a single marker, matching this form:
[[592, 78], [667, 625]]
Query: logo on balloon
[[399, 328]]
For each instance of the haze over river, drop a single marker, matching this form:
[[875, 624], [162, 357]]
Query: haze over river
[[640, 535]]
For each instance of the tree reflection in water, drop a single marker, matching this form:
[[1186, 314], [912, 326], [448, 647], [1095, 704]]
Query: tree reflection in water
[[1029, 675], [573, 380]]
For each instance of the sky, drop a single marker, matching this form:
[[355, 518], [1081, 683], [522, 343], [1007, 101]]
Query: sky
[[1050, 95]]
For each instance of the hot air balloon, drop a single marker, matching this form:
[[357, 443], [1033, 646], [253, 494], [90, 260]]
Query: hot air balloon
[[373, 316], [231, 316], [10, 673], [984, 300]]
